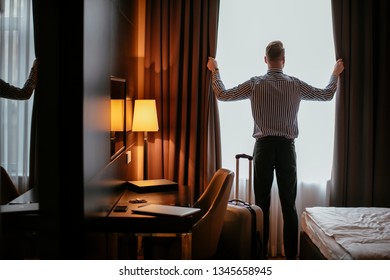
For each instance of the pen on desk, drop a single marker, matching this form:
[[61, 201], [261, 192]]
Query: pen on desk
[[143, 205]]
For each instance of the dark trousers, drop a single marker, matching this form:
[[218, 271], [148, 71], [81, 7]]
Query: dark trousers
[[277, 154]]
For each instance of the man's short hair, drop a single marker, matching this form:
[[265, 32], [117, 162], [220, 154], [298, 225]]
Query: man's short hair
[[275, 50]]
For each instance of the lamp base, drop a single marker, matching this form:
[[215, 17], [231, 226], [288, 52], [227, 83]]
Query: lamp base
[[145, 155]]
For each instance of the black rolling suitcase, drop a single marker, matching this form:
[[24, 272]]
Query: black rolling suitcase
[[241, 236]]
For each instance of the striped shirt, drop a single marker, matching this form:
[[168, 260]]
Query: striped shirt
[[275, 99], [16, 93]]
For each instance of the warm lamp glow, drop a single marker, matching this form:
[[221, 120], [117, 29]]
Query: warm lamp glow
[[129, 115], [117, 114], [145, 115]]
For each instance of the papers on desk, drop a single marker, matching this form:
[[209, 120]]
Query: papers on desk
[[157, 185], [19, 207], [170, 210]]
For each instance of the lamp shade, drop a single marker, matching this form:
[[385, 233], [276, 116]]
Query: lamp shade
[[129, 114], [117, 114], [145, 115]]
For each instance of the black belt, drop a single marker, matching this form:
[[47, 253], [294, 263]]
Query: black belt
[[274, 138]]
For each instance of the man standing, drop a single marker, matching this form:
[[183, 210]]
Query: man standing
[[275, 99]]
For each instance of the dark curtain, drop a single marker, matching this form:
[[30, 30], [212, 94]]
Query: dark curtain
[[361, 173], [33, 178], [180, 36]]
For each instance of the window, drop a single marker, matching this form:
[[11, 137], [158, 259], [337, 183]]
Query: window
[[305, 28], [16, 58]]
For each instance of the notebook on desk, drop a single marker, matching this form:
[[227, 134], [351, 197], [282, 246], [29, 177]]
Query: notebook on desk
[[170, 210], [157, 185]]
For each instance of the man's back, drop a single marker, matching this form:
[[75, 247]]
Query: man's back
[[275, 103]]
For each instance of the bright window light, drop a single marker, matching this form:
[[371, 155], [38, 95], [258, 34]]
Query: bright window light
[[305, 28]]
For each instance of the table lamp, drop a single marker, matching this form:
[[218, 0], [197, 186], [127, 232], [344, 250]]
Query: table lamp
[[145, 120]]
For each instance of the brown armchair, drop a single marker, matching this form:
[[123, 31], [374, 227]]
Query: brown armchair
[[207, 228], [8, 191], [213, 203]]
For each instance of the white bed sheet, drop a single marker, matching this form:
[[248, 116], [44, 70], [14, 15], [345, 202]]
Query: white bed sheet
[[349, 232]]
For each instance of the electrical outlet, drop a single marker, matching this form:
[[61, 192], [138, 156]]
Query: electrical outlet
[[128, 157]]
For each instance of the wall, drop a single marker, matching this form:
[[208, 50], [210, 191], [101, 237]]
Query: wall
[[110, 43], [81, 44], [110, 49]]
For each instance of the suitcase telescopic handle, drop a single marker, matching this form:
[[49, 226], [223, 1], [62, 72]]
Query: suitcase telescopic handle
[[238, 156], [250, 158]]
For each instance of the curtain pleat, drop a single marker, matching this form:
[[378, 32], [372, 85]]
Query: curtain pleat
[[180, 36], [360, 173], [34, 118]]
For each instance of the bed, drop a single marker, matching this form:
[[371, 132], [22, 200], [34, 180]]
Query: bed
[[345, 233]]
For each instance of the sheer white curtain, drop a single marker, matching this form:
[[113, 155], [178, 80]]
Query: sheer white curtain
[[16, 58], [305, 27]]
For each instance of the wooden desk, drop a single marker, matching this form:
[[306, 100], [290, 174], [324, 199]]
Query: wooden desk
[[146, 225]]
